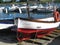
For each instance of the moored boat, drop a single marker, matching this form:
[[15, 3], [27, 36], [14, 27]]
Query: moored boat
[[12, 9], [38, 9], [42, 10], [6, 21], [6, 24], [29, 27], [35, 28]]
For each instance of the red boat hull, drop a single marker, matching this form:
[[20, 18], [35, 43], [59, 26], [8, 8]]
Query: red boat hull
[[25, 34]]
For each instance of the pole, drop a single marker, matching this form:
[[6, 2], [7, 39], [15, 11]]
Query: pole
[[28, 10]]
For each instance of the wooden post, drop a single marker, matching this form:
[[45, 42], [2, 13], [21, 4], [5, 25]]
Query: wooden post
[[28, 10]]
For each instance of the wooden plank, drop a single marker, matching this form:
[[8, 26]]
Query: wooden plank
[[39, 40], [53, 35], [58, 34], [47, 37], [51, 39], [26, 43], [57, 31], [43, 42]]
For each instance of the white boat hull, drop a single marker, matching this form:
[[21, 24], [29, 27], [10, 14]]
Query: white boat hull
[[5, 26], [30, 28], [34, 25]]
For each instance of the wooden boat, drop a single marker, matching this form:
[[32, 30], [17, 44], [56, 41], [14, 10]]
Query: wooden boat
[[29, 27], [42, 10], [6, 24], [38, 9], [12, 9], [35, 28], [1, 9]]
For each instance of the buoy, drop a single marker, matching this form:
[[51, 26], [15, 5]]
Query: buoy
[[57, 16]]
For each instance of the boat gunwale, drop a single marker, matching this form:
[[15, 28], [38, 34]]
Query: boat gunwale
[[35, 20]]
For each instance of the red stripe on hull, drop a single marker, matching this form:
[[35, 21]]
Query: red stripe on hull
[[28, 33], [34, 30]]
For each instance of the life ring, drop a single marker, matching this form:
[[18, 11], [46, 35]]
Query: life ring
[[56, 16]]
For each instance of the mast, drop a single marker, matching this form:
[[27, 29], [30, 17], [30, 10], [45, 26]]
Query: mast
[[28, 9]]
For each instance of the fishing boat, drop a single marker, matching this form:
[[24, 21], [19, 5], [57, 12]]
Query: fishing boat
[[38, 8], [42, 10], [42, 27], [48, 8], [12, 9], [35, 28], [1, 9], [6, 24], [6, 21]]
